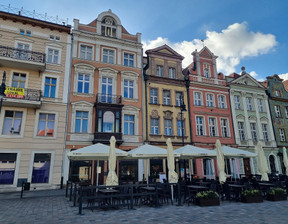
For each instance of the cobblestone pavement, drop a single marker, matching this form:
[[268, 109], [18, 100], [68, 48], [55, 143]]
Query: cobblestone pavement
[[54, 208]]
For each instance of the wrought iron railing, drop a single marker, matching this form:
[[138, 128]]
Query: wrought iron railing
[[107, 98], [20, 54], [29, 94]]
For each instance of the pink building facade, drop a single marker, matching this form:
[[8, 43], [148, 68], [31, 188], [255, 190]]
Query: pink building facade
[[209, 109]]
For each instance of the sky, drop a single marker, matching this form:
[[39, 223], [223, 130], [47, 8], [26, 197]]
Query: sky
[[249, 33]]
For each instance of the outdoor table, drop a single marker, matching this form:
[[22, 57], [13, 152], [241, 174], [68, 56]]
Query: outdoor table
[[197, 187], [148, 188], [108, 192], [148, 199], [266, 184], [236, 189]]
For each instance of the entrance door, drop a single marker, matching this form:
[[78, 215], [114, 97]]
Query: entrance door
[[247, 167]]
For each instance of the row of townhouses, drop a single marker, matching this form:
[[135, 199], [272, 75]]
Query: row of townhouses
[[64, 89]]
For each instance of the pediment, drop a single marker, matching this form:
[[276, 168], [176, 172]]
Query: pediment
[[264, 119], [164, 50], [240, 117], [252, 117], [82, 103], [83, 66], [24, 39], [108, 70], [205, 52], [247, 80]]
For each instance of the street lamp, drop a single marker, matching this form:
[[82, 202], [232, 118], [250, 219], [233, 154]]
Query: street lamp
[[183, 109], [2, 89]]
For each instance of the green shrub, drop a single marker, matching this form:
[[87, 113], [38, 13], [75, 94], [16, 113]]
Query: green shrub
[[252, 192], [207, 194], [276, 191]]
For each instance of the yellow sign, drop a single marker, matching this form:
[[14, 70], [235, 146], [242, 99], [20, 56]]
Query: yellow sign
[[14, 92]]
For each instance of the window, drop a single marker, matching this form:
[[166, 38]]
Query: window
[[83, 83], [46, 125], [207, 72], [21, 31], [179, 128], [286, 112], [208, 169], [53, 56], [179, 96], [106, 90], [129, 60], [212, 126], [200, 125], [282, 135], [224, 128], [260, 105], [108, 27], [159, 70], [154, 126], [18, 80], [153, 96], [168, 127], [277, 111], [253, 131], [50, 87], [108, 121], [28, 32], [129, 122], [277, 93], [241, 130], [23, 48], [210, 100], [128, 89], [197, 98], [41, 168], [172, 73], [249, 103], [86, 52], [221, 101], [108, 56], [237, 102], [265, 132], [7, 167], [81, 122], [166, 97], [12, 122]]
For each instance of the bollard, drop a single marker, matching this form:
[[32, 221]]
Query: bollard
[[66, 192], [131, 197]]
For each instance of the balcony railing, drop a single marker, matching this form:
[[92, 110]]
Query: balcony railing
[[211, 81], [106, 98], [104, 137], [20, 54], [23, 94]]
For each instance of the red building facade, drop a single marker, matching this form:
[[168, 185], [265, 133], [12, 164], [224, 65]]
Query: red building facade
[[209, 108]]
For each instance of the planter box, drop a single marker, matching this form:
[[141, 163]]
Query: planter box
[[282, 197], [252, 199], [207, 201]]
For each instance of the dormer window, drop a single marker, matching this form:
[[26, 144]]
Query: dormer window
[[207, 72], [108, 27]]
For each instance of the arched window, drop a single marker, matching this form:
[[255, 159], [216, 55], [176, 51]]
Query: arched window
[[272, 164], [108, 27], [108, 122]]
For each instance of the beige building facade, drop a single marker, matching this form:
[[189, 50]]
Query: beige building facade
[[35, 55]]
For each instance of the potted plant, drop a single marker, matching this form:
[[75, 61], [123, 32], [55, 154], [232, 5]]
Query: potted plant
[[252, 196], [207, 198], [276, 194]]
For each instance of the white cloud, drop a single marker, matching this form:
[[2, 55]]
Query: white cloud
[[231, 45], [284, 76]]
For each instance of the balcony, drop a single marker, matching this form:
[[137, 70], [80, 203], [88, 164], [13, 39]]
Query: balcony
[[20, 97], [108, 99], [104, 137], [23, 59], [210, 81]]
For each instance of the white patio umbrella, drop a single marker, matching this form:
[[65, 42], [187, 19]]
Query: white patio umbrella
[[112, 178], [220, 162], [262, 163], [190, 152], [285, 160], [236, 153], [172, 175]]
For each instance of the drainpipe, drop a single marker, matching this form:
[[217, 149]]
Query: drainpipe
[[146, 101]]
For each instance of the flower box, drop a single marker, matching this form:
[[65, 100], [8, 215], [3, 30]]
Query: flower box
[[281, 197], [252, 198], [207, 201]]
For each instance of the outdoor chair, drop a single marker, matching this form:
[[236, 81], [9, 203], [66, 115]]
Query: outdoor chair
[[164, 192]]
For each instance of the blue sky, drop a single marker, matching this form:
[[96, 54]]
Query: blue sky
[[246, 33]]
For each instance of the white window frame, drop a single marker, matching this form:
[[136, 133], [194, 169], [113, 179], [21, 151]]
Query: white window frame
[[249, 103], [159, 70], [198, 98], [134, 111], [172, 73], [260, 105], [114, 55], [54, 49], [210, 101], [198, 126], [30, 172], [253, 130], [166, 99], [222, 104], [211, 126], [16, 172], [57, 84], [277, 110], [223, 127], [264, 127], [23, 123], [206, 70], [84, 69], [178, 100], [282, 135], [37, 122], [129, 76], [212, 176], [241, 130], [237, 101], [85, 53], [153, 127], [169, 128], [154, 97], [134, 57]]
